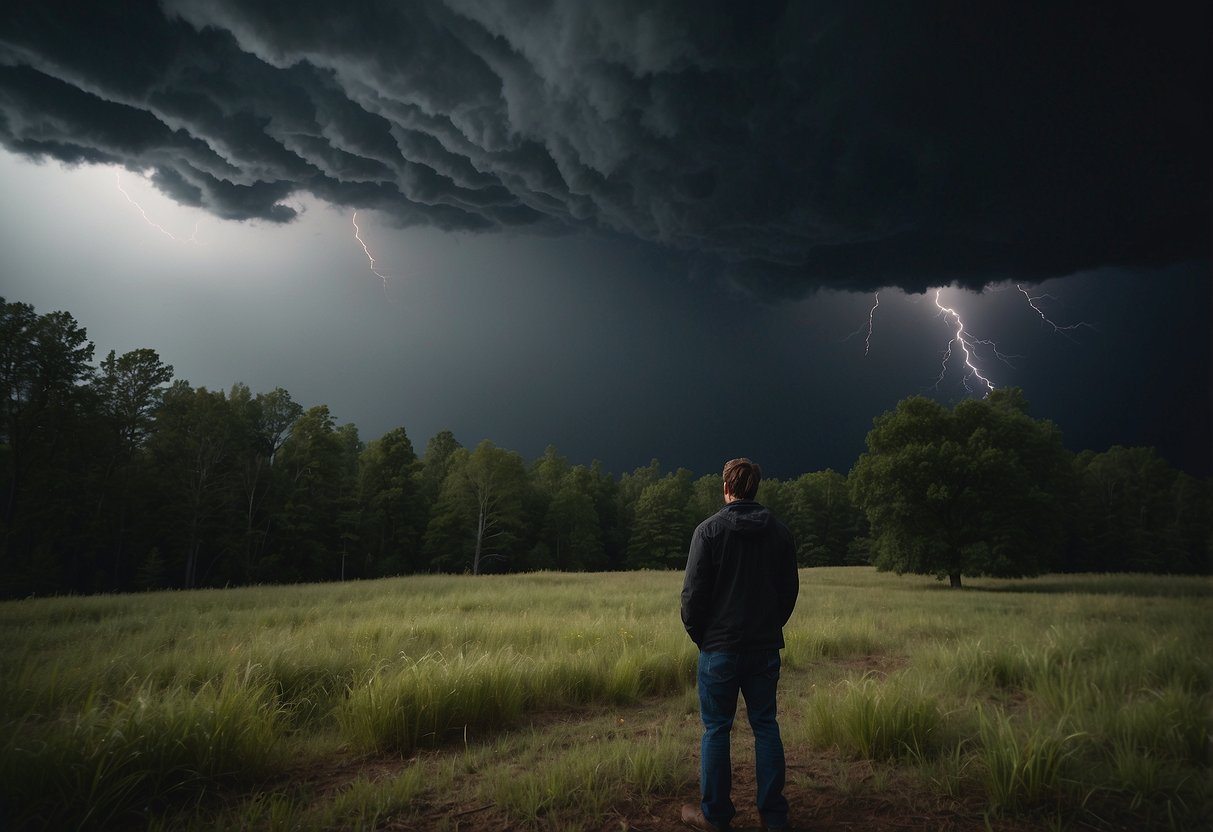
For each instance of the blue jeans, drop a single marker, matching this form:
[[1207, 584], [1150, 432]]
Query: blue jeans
[[755, 675]]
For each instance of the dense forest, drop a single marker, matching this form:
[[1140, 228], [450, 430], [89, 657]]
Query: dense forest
[[115, 476]]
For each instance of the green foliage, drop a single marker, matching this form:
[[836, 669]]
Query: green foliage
[[392, 517], [566, 512], [45, 436], [318, 521], [707, 497], [478, 516], [572, 530], [263, 423], [662, 529], [1136, 513], [192, 452], [131, 387], [817, 508], [111, 479], [982, 489]]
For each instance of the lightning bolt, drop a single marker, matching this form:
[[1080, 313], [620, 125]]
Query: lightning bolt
[[1056, 328], [370, 257], [193, 238], [971, 349], [968, 346], [867, 341]]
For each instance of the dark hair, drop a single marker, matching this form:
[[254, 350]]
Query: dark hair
[[741, 478]]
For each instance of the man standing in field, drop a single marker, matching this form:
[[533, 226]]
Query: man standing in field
[[739, 591]]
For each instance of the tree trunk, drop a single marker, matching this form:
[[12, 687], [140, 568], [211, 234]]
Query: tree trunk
[[191, 564], [954, 580], [481, 521]]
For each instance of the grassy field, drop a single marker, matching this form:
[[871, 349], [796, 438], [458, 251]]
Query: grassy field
[[565, 701]]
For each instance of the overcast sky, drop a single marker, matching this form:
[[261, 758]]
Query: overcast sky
[[633, 229]]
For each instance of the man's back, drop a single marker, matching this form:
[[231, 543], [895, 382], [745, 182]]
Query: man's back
[[741, 581]]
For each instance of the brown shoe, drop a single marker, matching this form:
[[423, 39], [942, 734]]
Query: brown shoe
[[693, 817]]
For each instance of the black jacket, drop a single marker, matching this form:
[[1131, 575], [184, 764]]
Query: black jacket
[[741, 581]]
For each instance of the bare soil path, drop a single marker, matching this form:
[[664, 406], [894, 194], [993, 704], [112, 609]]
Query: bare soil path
[[826, 791]]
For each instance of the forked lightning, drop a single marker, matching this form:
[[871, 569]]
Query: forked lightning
[[968, 345], [1056, 327]]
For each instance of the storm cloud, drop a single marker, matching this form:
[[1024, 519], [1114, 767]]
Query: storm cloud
[[786, 146]]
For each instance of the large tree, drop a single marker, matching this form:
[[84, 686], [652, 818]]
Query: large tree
[[317, 526], [392, 517], [265, 421], [571, 531], [435, 465], [982, 489], [129, 390], [46, 409], [479, 511], [193, 455], [661, 531]]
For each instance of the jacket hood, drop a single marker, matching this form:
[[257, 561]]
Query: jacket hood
[[746, 516]]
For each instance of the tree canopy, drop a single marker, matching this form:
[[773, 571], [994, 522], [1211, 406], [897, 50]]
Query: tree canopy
[[981, 489], [118, 476]]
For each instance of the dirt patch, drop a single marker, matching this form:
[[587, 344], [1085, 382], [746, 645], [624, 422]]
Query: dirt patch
[[815, 807], [879, 665], [826, 791]]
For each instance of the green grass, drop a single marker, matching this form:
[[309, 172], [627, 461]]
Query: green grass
[[1070, 700], [541, 700], [874, 719], [92, 766], [431, 700], [1029, 767], [582, 782]]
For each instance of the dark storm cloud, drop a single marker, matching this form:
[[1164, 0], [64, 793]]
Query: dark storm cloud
[[852, 145]]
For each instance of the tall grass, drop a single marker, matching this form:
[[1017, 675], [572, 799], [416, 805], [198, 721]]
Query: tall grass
[[372, 804], [1025, 768], [583, 782], [1077, 697], [877, 720], [421, 703], [112, 703], [111, 757], [435, 698], [1081, 698]]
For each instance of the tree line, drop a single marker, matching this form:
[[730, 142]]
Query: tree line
[[116, 476]]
